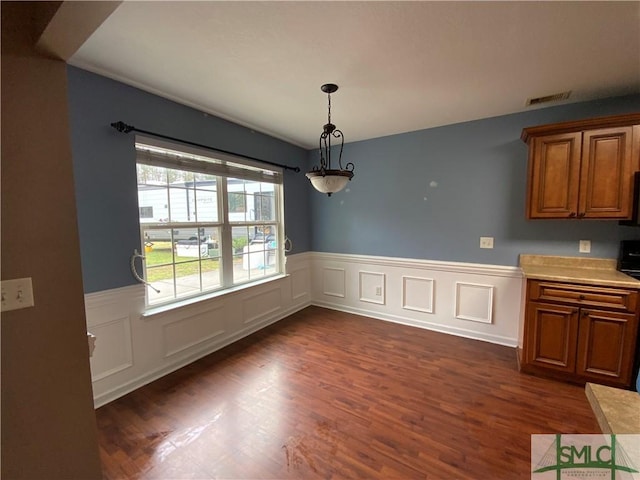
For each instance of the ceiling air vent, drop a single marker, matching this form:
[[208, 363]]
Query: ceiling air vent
[[548, 98]]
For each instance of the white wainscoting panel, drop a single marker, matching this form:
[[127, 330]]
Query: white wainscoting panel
[[489, 295], [334, 282], [186, 332], [372, 287], [300, 283], [474, 302], [111, 324], [115, 333], [133, 349], [260, 305], [417, 294]]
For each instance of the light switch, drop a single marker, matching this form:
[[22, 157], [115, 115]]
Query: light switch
[[16, 294]]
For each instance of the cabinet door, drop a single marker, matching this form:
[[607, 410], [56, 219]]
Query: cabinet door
[[606, 346], [552, 331], [554, 176], [606, 183]]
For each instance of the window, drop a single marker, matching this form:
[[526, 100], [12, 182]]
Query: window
[[208, 222]]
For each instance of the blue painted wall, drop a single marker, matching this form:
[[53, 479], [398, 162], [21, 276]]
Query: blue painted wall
[[105, 172], [428, 194], [433, 193]]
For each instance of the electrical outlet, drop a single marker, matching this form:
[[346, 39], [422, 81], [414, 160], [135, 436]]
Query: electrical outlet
[[486, 242], [16, 294], [585, 246]]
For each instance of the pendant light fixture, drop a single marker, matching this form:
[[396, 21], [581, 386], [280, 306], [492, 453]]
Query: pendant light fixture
[[324, 178]]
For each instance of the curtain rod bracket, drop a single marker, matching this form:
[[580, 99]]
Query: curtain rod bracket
[[124, 128]]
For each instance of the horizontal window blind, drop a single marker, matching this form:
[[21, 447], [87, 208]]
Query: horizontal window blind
[[150, 152]]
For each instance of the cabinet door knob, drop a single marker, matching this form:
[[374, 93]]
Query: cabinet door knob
[[585, 313], [581, 215], [572, 214]]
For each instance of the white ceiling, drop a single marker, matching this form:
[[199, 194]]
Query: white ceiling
[[400, 66]]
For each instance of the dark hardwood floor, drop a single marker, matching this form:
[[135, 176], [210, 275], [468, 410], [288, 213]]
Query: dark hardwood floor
[[324, 394]]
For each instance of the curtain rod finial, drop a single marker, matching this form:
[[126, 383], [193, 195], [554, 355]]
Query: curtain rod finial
[[122, 127]]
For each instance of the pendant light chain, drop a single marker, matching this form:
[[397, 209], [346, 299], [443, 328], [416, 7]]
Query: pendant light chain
[[328, 132]]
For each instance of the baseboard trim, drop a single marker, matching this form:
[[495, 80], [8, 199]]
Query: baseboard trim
[[459, 332]]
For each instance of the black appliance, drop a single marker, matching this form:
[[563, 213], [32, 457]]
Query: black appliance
[[629, 259]]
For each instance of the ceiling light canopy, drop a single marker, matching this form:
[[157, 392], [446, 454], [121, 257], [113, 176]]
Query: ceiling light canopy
[[324, 178]]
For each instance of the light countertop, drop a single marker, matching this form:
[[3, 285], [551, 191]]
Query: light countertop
[[617, 410], [587, 270]]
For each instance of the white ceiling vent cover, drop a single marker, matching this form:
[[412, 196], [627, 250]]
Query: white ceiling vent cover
[[548, 98]]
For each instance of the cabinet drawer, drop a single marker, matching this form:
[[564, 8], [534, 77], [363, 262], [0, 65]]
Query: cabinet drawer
[[618, 299]]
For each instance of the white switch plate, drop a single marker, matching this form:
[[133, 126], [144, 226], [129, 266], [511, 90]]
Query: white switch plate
[[486, 242], [16, 294], [585, 246]]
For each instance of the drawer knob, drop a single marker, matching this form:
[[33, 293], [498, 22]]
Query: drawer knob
[[581, 297], [585, 313]]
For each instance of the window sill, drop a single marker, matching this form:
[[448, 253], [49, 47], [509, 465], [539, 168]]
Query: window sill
[[187, 302]]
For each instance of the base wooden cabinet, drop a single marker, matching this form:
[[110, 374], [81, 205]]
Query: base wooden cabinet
[[580, 333]]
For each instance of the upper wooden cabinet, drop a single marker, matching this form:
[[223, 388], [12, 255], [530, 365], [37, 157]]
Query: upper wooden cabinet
[[583, 169]]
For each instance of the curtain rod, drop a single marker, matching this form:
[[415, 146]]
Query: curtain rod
[[123, 127]]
